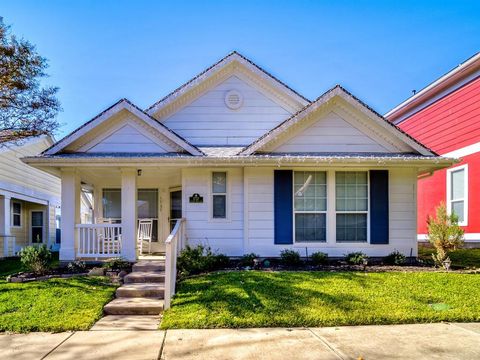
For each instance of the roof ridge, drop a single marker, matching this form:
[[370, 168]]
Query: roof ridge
[[230, 54]]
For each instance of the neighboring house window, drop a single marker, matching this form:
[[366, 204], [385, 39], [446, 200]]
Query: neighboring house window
[[37, 227], [16, 214], [351, 189], [457, 193], [219, 195], [112, 204], [310, 206]]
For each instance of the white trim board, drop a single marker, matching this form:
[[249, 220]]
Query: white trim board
[[465, 151], [466, 236]]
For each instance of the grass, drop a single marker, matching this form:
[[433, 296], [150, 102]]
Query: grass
[[53, 305], [267, 299], [461, 258]]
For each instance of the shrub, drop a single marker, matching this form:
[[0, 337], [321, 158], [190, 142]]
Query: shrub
[[395, 258], [290, 257], [247, 259], [36, 258], [77, 267], [356, 258], [198, 259], [444, 234], [319, 258], [117, 264]]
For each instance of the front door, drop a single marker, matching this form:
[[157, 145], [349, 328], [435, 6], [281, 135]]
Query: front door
[[175, 207]]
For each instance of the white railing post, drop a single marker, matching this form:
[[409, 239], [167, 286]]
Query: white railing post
[[172, 247]]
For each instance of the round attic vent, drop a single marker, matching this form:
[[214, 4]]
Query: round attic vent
[[233, 99]]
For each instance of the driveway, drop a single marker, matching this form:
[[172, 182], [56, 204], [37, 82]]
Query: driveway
[[422, 341]]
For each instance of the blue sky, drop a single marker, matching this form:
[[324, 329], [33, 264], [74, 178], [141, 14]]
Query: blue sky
[[101, 51]]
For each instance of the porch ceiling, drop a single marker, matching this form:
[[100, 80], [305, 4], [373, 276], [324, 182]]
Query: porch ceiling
[[164, 176]]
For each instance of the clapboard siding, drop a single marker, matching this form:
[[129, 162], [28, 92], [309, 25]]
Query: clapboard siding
[[449, 123], [331, 133], [19, 177], [129, 139], [208, 121], [260, 225], [225, 236]]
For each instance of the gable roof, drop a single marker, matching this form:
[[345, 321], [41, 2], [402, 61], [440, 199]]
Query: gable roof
[[114, 109], [322, 100], [440, 87], [232, 57]]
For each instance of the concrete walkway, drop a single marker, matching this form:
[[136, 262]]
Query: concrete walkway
[[423, 341]]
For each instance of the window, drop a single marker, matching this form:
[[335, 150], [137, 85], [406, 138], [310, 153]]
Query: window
[[310, 206], [16, 214], [112, 204], [219, 195], [351, 189], [37, 227], [457, 193]]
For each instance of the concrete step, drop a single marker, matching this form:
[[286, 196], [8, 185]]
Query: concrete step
[[141, 290], [145, 277], [134, 306], [148, 265]]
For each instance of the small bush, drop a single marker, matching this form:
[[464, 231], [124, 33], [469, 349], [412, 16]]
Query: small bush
[[77, 267], [247, 259], [290, 257], [395, 258], [356, 258], [199, 259], [444, 234], [36, 258], [117, 264], [319, 258]]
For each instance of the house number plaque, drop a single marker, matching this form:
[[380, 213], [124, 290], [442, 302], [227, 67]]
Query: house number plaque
[[196, 198]]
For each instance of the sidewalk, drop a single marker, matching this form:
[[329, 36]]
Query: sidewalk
[[422, 341]]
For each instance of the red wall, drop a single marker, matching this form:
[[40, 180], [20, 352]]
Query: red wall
[[450, 123], [432, 190]]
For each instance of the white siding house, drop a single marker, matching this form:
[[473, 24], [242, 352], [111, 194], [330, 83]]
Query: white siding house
[[248, 164], [29, 198]]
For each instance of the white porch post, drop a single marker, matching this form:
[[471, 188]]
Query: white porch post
[[5, 222], [129, 213], [70, 213]]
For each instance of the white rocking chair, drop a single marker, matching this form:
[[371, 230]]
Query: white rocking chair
[[145, 227]]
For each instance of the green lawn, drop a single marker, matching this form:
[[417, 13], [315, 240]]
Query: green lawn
[[257, 299], [461, 258], [53, 305]]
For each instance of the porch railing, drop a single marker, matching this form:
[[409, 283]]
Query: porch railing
[[8, 243], [99, 240], [173, 245]]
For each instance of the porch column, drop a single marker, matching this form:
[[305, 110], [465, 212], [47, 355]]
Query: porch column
[[70, 213], [5, 222], [129, 213]]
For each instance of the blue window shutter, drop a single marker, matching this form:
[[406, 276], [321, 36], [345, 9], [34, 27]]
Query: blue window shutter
[[379, 224], [282, 206]]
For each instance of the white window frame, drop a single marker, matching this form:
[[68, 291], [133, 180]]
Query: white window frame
[[465, 195], [310, 211], [367, 212], [211, 194], [44, 227], [13, 213]]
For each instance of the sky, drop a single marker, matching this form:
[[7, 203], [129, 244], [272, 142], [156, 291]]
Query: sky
[[102, 51]]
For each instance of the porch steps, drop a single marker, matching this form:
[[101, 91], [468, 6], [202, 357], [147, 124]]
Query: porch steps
[[142, 292]]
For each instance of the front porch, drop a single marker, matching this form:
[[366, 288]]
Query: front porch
[[102, 208]]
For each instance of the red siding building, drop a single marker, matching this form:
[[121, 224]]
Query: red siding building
[[445, 116]]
